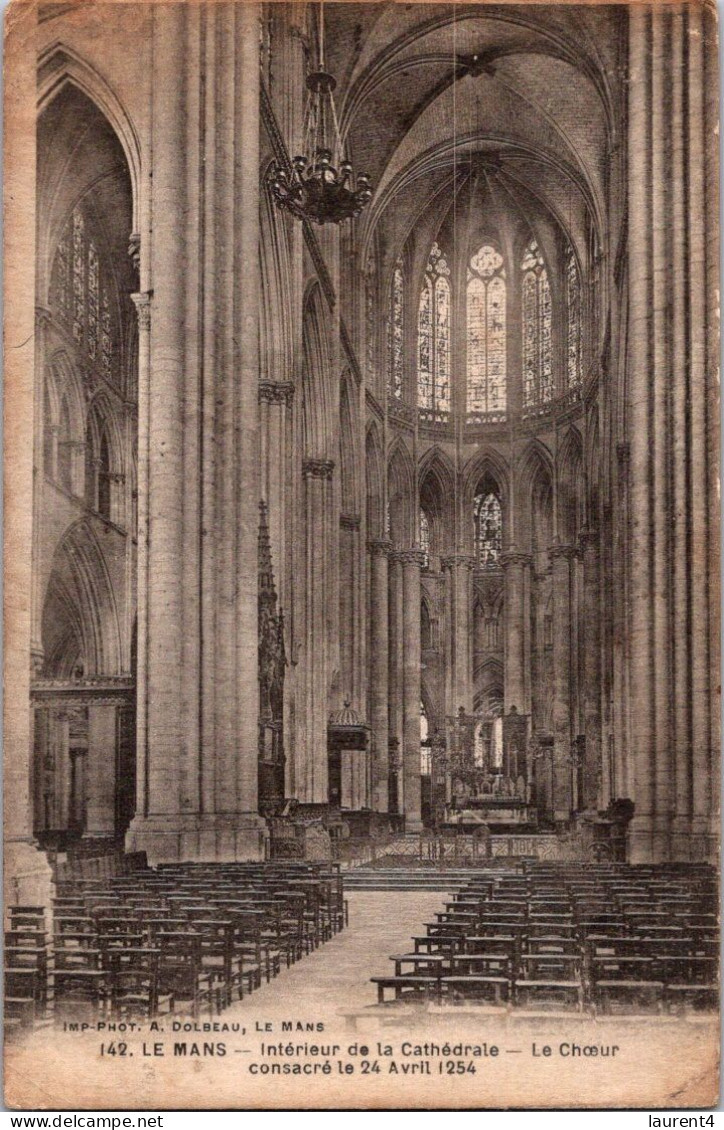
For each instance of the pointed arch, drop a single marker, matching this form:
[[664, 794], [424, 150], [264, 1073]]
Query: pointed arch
[[489, 679], [535, 457], [436, 485], [536, 324], [102, 411], [434, 334], [348, 447], [431, 706], [80, 616], [402, 494], [570, 494], [60, 66], [318, 416], [534, 495], [276, 305], [488, 463], [486, 318], [436, 462], [63, 380], [374, 475]]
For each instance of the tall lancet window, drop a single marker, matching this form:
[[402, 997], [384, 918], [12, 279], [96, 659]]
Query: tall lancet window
[[395, 333], [81, 291], [425, 539], [433, 335], [573, 313], [488, 519], [486, 332], [537, 351]]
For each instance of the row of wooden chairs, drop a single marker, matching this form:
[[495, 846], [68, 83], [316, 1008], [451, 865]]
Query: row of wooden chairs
[[617, 940], [180, 939]]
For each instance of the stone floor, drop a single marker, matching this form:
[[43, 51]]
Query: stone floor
[[336, 976]]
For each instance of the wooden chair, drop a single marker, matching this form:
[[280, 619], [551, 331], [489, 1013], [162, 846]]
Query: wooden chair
[[624, 983], [134, 984], [181, 973]]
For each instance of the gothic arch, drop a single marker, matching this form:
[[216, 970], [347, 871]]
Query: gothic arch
[[534, 477], [318, 412], [433, 708], [489, 679], [63, 381], [80, 585], [103, 417], [487, 463], [570, 487], [60, 66], [437, 497], [348, 447], [276, 307], [402, 494], [374, 475]]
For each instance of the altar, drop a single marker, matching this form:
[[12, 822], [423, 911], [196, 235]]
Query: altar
[[481, 775]]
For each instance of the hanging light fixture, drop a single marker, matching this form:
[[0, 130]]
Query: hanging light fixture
[[320, 184]]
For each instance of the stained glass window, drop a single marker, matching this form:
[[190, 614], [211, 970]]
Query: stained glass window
[[425, 538], [92, 301], [537, 348], [573, 311], [395, 332], [488, 519], [486, 296], [425, 750], [80, 295], [433, 335]]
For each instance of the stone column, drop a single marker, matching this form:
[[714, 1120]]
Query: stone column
[[516, 567], [160, 632], [460, 567], [42, 317], [27, 872], [313, 782], [275, 403], [198, 632], [680, 564], [561, 559], [379, 682], [700, 35], [142, 302], [101, 769], [670, 433], [412, 560], [591, 643], [395, 658], [349, 620]]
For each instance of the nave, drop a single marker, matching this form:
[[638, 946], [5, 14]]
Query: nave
[[197, 940], [396, 528]]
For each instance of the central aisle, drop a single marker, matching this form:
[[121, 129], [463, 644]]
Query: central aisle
[[336, 977]]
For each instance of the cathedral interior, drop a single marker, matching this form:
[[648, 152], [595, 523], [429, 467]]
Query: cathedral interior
[[386, 527]]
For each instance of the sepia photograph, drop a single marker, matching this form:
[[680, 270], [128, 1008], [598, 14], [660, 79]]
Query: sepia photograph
[[361, 555]]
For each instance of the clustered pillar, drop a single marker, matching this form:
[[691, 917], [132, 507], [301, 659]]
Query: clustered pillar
[[412, 560], [668, 409], [562, 557], [197, 794], [460, 567], [517, 603], [378, 670]]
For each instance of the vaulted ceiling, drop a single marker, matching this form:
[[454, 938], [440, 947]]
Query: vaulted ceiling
[[425, 89]]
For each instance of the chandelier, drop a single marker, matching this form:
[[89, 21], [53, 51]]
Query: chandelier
[[320, 184]]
